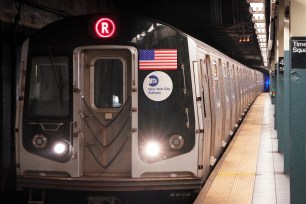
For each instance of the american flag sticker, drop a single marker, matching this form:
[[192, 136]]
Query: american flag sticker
[[159, 59]]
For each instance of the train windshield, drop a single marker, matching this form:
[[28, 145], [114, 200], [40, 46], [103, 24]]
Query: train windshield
[[49, 87]]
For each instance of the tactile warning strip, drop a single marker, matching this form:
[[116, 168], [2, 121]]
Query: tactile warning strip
[[232, 180]]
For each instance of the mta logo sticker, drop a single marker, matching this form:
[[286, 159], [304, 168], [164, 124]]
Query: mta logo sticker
[[157, 86], [153, 80]]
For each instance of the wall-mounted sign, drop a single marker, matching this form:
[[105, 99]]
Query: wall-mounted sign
[[281, 65], [298, 52]]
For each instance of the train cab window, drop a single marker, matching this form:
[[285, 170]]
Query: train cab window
[[49, 87], [108, 83]]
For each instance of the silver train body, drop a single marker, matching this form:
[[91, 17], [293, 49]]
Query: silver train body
[[121, 103]]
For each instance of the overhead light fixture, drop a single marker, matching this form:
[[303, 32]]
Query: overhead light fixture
[[244, 38], [260, 31], [258, 18], [257, 9], [261, 36], [260, 26]]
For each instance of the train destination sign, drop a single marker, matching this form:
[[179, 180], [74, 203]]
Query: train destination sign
[[105, 28], [298, 52]]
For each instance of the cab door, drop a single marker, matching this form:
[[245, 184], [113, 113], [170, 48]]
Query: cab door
[[105, 80], [203, 109], [204, 66]]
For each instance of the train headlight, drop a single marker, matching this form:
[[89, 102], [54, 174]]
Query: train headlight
[[176, 141], [152, 149], [39, 141], [60, 147]]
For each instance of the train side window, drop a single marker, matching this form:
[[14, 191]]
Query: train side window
[[225, 68], [108, 83], [214, 69], [216, 83], [49, 87]]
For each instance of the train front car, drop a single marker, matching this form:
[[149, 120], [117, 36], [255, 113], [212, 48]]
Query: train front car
[[106, 104]]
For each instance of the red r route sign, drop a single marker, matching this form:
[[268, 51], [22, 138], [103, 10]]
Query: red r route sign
[[105, 28]]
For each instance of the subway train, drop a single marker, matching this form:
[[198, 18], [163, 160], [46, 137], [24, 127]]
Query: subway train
[[121, 103]]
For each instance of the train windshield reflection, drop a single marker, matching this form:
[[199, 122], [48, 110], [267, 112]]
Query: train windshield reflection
[[49, 87]]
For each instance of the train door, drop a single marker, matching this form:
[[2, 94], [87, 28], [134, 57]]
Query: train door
[[237, 85], [247, 83], [249, 86], [239, 98], [104, 75], [217, 122], [233, 98], [241, 80], [244, 78], [230, 96], [241, 90], [244, 88], [226, 104], [253, 85], [249, 90], [203, 104]]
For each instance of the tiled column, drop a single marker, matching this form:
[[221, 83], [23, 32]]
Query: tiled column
[[297, 101]]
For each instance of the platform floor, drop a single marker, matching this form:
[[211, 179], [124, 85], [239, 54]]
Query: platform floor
[[251, 171]]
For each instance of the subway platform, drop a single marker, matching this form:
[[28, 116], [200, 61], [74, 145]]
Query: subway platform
[[251, 170]]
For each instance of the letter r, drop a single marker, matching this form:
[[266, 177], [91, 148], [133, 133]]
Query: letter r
[[104, 28]]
